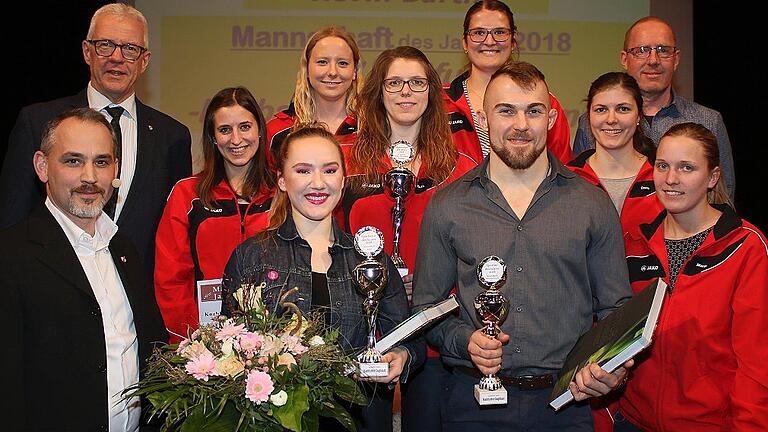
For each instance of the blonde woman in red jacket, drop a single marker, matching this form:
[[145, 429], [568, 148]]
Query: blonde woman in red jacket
[[209, 214], [706, 369], [327, 84]]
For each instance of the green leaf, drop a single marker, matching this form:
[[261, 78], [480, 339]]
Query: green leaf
[[334, 410], [289, 415], [349, 390], [310, 421], [200, 420]]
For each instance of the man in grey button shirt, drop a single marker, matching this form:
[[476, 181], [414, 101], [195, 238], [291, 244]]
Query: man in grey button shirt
[[561, 240], [651, 57]]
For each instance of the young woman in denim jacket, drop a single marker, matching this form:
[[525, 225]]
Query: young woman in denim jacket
[[304, 247]]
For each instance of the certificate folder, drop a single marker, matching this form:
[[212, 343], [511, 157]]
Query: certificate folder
[[614, 340], [416, 322]]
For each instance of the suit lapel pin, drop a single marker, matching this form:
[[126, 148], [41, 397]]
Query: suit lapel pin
[[150, 127], [123, 259]]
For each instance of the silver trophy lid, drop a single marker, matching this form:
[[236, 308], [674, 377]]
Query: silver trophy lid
[[491, 271], [401, 152], [369, 241]]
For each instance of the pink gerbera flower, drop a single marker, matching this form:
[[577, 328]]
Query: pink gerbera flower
[[202, 367], [258, 387], [250, 342], [230, 331]]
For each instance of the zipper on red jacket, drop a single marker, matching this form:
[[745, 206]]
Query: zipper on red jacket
[[666, 315], [660, 343]]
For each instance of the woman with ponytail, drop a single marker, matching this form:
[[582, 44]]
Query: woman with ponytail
[[706, 368], [304, 247], [621, 162], [208, 214]]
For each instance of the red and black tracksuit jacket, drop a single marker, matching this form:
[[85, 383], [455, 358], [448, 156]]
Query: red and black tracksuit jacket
[[706, 369], [194, 243], [280, 126], [641, 202]]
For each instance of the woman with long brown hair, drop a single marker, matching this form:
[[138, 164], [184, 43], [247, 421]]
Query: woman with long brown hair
[[327, 86], [489, 43], [209, 214], [401, 104], [304, 247]]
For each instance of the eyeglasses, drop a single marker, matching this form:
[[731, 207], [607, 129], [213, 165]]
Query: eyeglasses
[[105, 48], [396, 85], [479, 35], [663, 51]]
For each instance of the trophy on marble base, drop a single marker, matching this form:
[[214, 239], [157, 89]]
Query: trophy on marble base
[[399, 181], [371, 279], [492, 309]]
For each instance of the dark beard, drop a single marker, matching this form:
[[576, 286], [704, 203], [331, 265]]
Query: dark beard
[[515, 158]]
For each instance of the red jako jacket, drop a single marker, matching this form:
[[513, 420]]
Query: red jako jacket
[[641, 202], [706, 369], [280, 126], [194, 243]]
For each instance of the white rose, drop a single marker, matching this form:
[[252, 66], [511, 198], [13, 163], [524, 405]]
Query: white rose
[[229, 366], [279, 398], [316, 341], [195, 349], [272, 345]]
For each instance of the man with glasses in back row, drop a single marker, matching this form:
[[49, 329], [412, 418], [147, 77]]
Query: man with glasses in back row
[[154, 150], [651, 57]]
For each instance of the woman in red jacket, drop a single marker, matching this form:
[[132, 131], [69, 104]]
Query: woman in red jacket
[[706, 368], [402, 102], [209, 214], [327, 85], [621, 161], [489, 43]]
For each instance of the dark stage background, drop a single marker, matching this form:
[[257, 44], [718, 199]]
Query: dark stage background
[[43, 61]]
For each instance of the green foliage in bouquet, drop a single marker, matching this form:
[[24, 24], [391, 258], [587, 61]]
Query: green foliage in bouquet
[[254, 371]]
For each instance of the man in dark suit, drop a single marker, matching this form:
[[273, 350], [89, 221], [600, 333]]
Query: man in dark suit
[[79, 314], [153, 148]]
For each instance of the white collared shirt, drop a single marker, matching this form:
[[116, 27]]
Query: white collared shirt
[[116, 314], [128, 130]]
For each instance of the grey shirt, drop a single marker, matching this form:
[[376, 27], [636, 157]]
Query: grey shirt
[[565, 263], [680, 110]]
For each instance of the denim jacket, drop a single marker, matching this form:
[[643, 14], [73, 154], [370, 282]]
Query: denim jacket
[[283, 261]]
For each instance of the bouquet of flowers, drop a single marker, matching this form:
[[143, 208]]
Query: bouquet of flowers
[[254, 371]]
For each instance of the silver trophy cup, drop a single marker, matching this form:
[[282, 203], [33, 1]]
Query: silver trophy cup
[[492, 309], [399, 182], [371, 279]]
